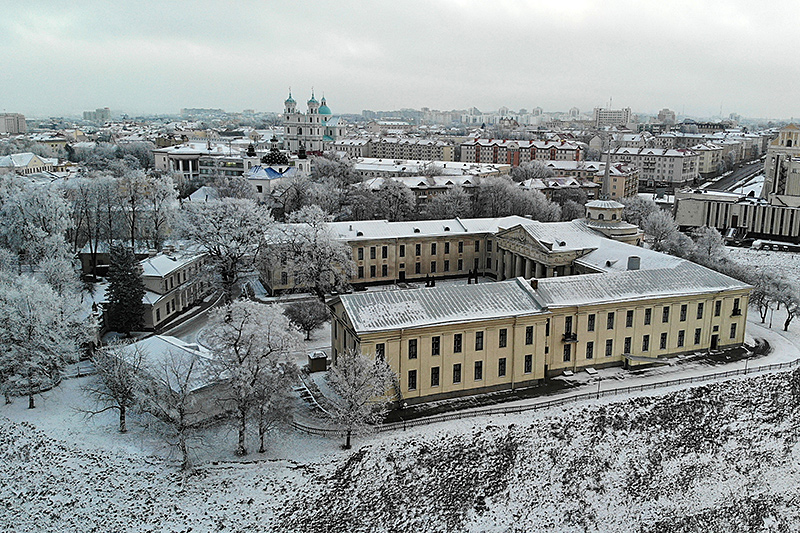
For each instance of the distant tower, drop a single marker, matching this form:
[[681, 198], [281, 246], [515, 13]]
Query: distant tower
[[290, 104], [313, 105]]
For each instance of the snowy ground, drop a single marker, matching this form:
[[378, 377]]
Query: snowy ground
[[721, 457], [787, 263]]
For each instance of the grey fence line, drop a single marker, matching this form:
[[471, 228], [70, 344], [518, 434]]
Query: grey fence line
[[513, 409]]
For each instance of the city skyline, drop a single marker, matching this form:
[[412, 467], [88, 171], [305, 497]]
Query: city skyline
[[698, 59]]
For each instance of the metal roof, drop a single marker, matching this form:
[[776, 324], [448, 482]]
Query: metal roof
[[396, 309]]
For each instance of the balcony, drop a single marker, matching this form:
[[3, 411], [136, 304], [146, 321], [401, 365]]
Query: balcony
[[569, 337]]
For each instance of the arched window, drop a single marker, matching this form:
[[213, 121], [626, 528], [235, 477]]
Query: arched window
[[299, 131], [614, 216], [788, 143], [601, 216]]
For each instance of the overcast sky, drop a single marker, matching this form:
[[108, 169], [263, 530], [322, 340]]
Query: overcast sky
[[697, 57]]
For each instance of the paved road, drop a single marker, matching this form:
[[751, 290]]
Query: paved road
[[745, 171]]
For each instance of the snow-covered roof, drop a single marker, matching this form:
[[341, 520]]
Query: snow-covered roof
[[164, 264], [263, 172], [21, 160], [605, 204], [160, 350], [685, 278], [382, 229], [204, 194], [382, 310]]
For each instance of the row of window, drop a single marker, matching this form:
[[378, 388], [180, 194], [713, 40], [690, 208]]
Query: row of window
[[373, 269], [648, 315], [662, 343], [458, 342], [373, 250], [477, 372]]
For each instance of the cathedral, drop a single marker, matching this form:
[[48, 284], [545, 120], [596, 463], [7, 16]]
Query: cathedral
[[313, 131]]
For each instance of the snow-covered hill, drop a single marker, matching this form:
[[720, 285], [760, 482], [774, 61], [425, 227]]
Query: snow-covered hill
[[717, 458]]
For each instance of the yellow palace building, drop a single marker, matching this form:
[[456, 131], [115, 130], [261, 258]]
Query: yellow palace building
[[603, 302]]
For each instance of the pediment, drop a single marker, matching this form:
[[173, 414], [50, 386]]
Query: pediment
[[520, 236]]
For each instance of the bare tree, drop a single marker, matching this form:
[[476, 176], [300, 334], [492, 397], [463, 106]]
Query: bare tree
[[395, 200], [272, 397], [709, 246], [232, 232], [322, 262], [531, 170], [167, 395], [765, 288], [307, 315], [119, 370], [362, 386], [247, 340], [455, 202], [637, 209]]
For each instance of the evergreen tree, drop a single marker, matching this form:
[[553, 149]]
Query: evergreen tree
[[125, 291]]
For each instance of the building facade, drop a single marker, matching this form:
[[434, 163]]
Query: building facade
[[659, 168], [316, 130], [613, 305], [174, 281], [13, 123], [514, 153]]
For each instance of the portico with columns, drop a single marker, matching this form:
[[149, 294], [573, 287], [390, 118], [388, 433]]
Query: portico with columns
[[522, 254]]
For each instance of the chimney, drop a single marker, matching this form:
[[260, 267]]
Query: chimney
[[534, 283], [633, 262]]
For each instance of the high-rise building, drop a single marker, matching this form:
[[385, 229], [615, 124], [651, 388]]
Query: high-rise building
[[666, 116], [12, 123], [782, 166], [612, 117], [101, 114]]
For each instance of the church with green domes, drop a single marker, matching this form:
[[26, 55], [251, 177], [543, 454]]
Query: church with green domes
[[314, 131]]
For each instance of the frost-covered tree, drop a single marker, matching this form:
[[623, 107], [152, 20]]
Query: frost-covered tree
[[291, 194], [125, 291], [496, 196], [161, 204], [234, 187], [430, 169], [272, 397], [307, 315], [232, 232], [572, 210], [119, 374], [709, 246], [165, 392], [362, 204], [328, 166], [637, 209], [362, 386], [39, 332], [535, 204], [321, 262], [133, 191], [531, 170], [455, 202], [395, 201], [661, 227], [247, 339], [33, 220]]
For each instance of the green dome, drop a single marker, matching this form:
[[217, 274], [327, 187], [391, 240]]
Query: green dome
[[324, 110]]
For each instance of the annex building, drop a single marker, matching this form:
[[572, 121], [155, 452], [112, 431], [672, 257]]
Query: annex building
[[569, 295]]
